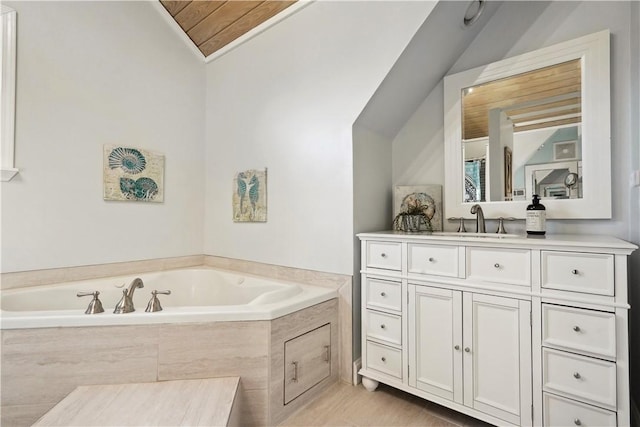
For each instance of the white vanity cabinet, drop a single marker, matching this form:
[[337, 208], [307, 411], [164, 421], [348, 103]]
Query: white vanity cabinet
[[459, 341], [510, 330]]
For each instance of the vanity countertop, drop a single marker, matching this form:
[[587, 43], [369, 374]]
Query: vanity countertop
[[201, 402], [556, 241]]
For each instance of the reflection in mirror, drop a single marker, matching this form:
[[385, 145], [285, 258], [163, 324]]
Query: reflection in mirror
[[515, 128]]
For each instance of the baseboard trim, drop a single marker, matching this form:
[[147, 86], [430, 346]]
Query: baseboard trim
[[357, 379]]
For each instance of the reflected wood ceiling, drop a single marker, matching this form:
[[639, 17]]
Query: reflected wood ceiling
[[538, 99], [213, 24]]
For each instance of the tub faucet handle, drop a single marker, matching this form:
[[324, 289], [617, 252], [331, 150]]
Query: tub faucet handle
[[154, 302], [95, 306]]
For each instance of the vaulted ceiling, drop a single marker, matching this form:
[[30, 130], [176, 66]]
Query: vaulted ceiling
[[213, 24]]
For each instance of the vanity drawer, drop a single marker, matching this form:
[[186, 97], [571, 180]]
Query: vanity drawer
[[385, 327], [509, 266], [385, 255], [384, 294], [559, 411], [584, 378], [588, 331], [384, 359], [578, 272], [432, 259]]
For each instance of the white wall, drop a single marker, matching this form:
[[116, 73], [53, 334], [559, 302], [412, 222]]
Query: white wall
[[372, 208], [515, 28], [94, 73], [287, 100]]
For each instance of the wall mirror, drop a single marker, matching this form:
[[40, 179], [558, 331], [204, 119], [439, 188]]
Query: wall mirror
[[537, 123]]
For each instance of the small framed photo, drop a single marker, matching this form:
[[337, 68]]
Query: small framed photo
[[565, 150]]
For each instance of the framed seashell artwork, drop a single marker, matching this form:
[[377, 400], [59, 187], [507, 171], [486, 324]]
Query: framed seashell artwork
[[426, 198], [133, 174], [249, 198]]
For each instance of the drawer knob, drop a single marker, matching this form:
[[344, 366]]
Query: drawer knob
[[577, 422], [431, 259], [383, 255], [383, 294], [496, 265], [457, 347], [467, 349], [577, 375], [574, 271], [576, 328], [383, 326], [384, 359]]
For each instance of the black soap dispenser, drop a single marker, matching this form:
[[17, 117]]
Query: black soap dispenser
[[536, 217]]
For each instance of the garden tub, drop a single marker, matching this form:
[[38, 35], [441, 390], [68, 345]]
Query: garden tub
[[197, 295]]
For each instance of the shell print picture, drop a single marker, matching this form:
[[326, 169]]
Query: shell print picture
[[133, 174]]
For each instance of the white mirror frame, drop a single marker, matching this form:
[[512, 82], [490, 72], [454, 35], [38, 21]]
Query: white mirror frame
[[593, 51], [8, 95]]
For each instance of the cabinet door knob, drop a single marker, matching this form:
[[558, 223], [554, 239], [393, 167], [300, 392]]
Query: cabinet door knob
[[577, 375], [576, 328], [327, 353], [384, 359], [457, 347], [574, 271], [431, 259], [577, 422], [467, 349], [496, 265], [383, 255], [295, 372], [383, 326], [383, 294]]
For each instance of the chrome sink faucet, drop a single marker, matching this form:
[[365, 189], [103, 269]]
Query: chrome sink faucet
[[477, 211], [125, 305]]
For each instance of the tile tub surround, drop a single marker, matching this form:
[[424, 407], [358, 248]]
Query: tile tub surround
[[21, 279], [342, 283], [41, 366]]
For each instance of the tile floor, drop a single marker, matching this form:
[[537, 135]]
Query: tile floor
[[345, 405]]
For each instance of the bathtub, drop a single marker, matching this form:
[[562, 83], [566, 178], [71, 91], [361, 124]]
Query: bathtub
[[197, 295]]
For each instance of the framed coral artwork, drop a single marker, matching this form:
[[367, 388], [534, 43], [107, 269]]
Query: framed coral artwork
[[429, 197], [132, 174], [249, 199]]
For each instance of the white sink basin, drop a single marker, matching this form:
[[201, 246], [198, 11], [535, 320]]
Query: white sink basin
[[478, 235]]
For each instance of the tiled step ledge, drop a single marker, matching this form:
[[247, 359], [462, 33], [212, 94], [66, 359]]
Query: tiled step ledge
[[195, 402]]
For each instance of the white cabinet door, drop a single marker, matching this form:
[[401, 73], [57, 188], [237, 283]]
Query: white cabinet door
[[497, 356], [435, 342]]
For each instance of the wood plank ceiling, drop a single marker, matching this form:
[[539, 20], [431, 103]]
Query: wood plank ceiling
[[213, 24], [538, 99]]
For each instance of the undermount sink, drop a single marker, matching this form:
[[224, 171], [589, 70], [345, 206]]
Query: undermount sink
[[477, 235]]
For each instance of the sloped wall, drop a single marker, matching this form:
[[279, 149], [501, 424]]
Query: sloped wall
[[287, 101]]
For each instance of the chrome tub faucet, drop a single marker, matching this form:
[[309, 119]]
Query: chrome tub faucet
[[125, 305]]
